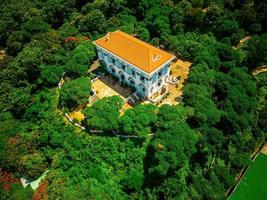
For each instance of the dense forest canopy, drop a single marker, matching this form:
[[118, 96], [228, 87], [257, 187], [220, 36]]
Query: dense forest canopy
[[197, 147]]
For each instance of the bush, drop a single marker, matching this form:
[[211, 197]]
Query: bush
[[255, 28]]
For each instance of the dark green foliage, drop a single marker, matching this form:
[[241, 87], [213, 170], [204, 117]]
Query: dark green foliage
[[103, 114], [93, 21], [42, 106], [56, 11], [257, 51], [83, 54], [17, 192], [75, 70], [29, 60], [189, 45], [226, 28], [169, 153], [19, 100], [51, 75], [138, 121], [15, 42], [190, 151], [34, 26], [256, 28], [75, 93], [79, 60]]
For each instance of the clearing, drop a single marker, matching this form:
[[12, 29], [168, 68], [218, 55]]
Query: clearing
[[107, 86], [253, 185]]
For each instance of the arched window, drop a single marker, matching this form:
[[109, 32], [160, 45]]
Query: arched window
[[112, 69], [121, 75], [159, 83], [132, 82], [142, 87], [151, 89]]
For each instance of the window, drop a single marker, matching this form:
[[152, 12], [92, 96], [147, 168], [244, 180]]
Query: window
[[123, 67], [131, 81], [142, 88], [165, 69], [142, 78], [133, 73], [113, 61], [112, 69], [160, 73], [128, 70], [159, 83], [154, 78]]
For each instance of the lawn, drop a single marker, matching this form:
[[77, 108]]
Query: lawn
[[253, 185]]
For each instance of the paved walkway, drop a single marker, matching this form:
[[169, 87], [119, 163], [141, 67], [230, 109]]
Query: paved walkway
[[264, 149], [107, 86], [179, 69], [94, 66], [259, 70], [242, 41]]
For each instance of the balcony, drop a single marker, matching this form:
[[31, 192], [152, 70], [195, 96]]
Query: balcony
[[159, 94]]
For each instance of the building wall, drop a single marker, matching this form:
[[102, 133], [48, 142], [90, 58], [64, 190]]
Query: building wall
[[145, 83]]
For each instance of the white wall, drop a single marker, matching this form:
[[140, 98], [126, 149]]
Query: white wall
[[151, 80]]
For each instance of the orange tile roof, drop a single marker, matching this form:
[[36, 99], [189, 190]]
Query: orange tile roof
[[133, 50]]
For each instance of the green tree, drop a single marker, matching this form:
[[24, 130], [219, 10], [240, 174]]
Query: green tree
[[42, 107], [256, 51], [75, 93], [93, 21], [34, 26], [103, 114], [139, 120], [50, 75]]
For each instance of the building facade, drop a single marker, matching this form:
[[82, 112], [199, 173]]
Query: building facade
[[138, 64]]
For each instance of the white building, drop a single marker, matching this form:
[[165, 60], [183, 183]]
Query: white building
[[140, 65]]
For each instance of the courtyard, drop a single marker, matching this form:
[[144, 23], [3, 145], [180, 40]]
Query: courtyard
[[106, 85], [180, 70]]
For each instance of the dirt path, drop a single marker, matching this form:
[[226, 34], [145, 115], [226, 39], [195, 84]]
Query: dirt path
[[2, 54], [264, 149], [259, 70], [242, 41]]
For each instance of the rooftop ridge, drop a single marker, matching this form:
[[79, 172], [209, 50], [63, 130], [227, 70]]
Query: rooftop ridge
[[133, 50], [139, 41]]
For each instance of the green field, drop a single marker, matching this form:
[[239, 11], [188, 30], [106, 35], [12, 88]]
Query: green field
[[253, 185]]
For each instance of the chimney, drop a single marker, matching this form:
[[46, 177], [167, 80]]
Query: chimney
[[107, 37]]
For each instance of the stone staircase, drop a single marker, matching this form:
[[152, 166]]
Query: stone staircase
[[172, 80]]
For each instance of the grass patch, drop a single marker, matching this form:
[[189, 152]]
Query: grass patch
[[253, 185]]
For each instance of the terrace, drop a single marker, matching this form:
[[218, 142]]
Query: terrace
[[106, 85], [179, 70]]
